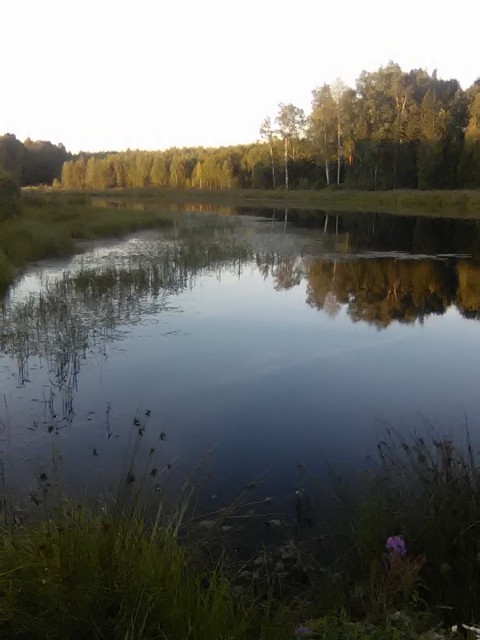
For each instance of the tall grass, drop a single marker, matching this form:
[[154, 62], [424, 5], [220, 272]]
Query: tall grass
[[6, 271], [428, 490], [50, 223], [111, 574], [10, 197], [121, 572], [86, 576]]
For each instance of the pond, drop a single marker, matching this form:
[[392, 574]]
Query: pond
[[237, 349]]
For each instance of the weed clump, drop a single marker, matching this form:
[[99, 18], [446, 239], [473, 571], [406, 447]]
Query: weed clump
[[86, 576], [51, 222], [427, 492]]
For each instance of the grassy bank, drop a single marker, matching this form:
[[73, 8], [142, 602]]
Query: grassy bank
[[85, 576], [48, 224], [458, 204], [402, 563]]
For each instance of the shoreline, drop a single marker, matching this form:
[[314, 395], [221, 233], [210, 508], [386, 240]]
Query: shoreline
[[464, 204]]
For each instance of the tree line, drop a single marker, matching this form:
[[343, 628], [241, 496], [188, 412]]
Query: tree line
[[31, 162], [392, 130]]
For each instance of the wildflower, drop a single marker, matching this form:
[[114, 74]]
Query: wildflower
[[395, 545], [302, 630]]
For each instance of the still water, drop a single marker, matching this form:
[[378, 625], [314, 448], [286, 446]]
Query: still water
[[245, 346]]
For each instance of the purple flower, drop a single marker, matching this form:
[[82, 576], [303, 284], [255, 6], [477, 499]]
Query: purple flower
[[302, 630], [396, 546]]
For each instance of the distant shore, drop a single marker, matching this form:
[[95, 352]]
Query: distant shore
[[454, 204], [52, 219]]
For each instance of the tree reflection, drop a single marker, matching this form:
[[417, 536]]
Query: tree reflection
[[379, 291], [85, 311], [287, 274]]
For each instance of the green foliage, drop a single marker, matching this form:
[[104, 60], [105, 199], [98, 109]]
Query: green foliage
[[31, 162], [10, 198], [396, 130], [42, 162], [427, 490], [85, 576], [336, 198], [12, 153], [51, 222], [469, 164], [394, 626], [430, 164], [6, 271]]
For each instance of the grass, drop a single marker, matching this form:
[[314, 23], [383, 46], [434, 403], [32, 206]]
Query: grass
[[455, 204], [105, 577], [6, 271], [428, 490], [50, 223], [10, 197], [118, 574], [113, 575], [122, 572]]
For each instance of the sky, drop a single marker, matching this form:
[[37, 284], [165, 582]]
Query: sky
[[151, 74]]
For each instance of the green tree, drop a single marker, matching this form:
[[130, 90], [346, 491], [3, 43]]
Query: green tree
[[291, 124], [12, 153], [338, 92], [159, 172], [177, 174], [322, 126], [266, 132]]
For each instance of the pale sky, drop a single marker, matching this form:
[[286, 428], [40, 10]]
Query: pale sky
[[150, 74]]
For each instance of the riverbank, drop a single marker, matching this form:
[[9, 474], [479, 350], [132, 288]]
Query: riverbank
[[110, 577], [454, 204], [48, 225], [81, 575], [400, 562]]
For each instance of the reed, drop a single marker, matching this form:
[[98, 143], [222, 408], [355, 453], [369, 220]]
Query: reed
[[49, 225]]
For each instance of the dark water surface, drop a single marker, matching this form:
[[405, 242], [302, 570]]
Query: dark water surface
[[256, 346]]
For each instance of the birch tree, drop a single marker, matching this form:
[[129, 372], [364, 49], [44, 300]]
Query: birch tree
[[338, 90], [291, 125], [266, 132], [322, 126]]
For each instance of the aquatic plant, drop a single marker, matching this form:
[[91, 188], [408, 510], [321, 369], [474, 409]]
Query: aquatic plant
[[50, 224]]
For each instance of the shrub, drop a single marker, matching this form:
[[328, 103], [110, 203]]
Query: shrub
[[427, 490], [10, 198]]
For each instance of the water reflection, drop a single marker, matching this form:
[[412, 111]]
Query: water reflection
[[143, 205], [384, 232], [248, 333], [85, 309], [382, 291]]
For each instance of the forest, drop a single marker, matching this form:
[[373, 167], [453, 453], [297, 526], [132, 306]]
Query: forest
[[393, 130], [31, 162]]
